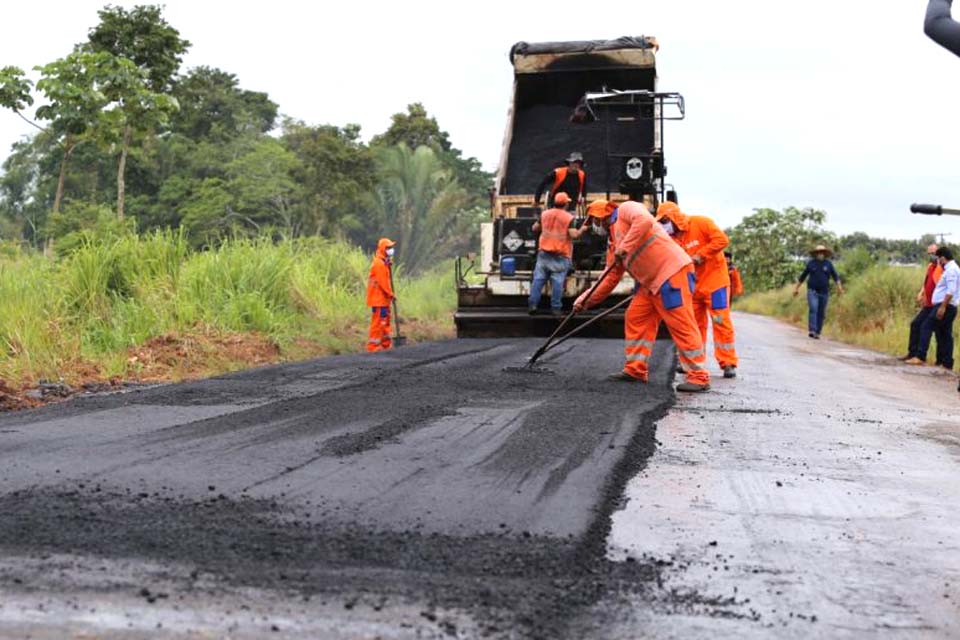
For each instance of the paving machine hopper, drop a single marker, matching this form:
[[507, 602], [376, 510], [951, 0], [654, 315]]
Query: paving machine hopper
[[598, 98]]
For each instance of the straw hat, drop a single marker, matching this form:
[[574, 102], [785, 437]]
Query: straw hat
[[821, 249]]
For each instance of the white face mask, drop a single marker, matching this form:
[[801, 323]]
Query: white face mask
[[598, 228], [668, 227], [390, 252]]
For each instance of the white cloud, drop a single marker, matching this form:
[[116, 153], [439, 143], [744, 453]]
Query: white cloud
[[844, 106]]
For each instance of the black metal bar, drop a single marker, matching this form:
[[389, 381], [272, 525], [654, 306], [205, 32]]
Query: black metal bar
[[586, 324], [539, 352], [933, 210]]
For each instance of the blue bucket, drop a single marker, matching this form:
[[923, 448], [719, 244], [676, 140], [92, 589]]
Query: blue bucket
[[508, 266]]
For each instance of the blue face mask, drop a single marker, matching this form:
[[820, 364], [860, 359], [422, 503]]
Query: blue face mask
[[390, 252], [668, 227]]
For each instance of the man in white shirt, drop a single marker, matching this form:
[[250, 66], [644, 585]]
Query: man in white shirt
[[945, 298]]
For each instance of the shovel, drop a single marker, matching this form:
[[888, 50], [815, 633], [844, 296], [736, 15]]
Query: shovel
[[398, 339]]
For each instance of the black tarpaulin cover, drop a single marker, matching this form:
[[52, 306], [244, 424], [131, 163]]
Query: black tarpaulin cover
[[579, 46]]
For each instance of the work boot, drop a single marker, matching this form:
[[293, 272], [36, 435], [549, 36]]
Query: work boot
[[730, 372], [914, 361], [623, 376], [557, 313], [811, 335], [532, 311], [692, 387], [905, 358]]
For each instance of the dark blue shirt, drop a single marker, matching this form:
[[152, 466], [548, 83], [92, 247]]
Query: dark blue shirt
[[819, 272]]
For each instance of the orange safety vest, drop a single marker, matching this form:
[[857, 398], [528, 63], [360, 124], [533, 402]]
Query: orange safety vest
[[554, 236], [560, 175]]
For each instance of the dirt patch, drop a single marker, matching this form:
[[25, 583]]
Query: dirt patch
[[189, 356]]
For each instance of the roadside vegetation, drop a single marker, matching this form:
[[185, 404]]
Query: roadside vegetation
[[881, 277], [874, 312], [149, 308], [164, 223]]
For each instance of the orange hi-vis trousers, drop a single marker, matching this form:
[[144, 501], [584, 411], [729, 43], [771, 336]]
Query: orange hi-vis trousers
[[674, 306], [715, 306], [380, 330]]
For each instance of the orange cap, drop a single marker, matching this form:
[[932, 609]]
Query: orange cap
[[601, 209], [561, 198], [667, 210]]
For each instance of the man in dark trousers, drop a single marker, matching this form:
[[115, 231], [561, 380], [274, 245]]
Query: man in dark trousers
[[570, 179], [819, 270], [945, 297], [925, 302]]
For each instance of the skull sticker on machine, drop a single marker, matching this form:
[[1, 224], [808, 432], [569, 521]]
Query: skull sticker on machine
[[634, 168]]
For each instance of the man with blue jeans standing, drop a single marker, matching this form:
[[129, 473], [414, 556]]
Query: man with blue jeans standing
[[555, 253], [946, 295], [819, 270]]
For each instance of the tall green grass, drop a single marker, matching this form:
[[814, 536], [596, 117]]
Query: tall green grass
[[874, 312], [109, 296]]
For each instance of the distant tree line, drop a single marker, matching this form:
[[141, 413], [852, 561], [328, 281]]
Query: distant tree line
[[126, 140], [770, 245]]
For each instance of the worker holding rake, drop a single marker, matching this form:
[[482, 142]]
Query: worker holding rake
[[665, 282]]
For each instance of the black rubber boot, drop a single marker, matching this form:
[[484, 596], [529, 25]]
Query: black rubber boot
[[730, 372], [623, 376], [692, 387]]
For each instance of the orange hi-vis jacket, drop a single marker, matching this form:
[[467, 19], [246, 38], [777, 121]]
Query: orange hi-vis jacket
[[652, 257], [554, 232], [379, 291], [699, 235], [560, 175]]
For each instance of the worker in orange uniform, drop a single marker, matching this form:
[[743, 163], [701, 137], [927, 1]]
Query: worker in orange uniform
[[554, 254], [664, 275], [736, 281], [571, 180], [379, 296], [704, 241]]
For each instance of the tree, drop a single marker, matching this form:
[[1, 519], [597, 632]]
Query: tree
[[140, 37], [770, 245], [134, 110], [339, 176], [214, 107], [416, 128], [422, 206], [75, 103], [15, 91]]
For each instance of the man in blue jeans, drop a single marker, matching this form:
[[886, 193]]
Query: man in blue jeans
[[555, 253], [819, 270]]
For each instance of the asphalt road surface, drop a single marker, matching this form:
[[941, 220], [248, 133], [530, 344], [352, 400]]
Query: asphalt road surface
[[429, 493]]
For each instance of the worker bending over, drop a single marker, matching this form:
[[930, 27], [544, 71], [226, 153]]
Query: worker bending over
[[664, 275], [554, 254], [379, 296], [571, 180], [704, 242]]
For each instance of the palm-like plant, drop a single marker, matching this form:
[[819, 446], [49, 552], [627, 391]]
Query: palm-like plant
[[421, 206]]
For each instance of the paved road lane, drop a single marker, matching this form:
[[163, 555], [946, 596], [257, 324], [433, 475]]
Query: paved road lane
[[816, 497]]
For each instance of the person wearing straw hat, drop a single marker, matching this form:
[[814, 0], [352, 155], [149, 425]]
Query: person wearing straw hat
[[819, 270]]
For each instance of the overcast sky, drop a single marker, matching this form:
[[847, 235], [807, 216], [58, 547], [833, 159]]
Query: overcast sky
[[844, 106]]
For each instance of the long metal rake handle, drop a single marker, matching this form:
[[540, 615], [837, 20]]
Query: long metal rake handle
[[586, 324]]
